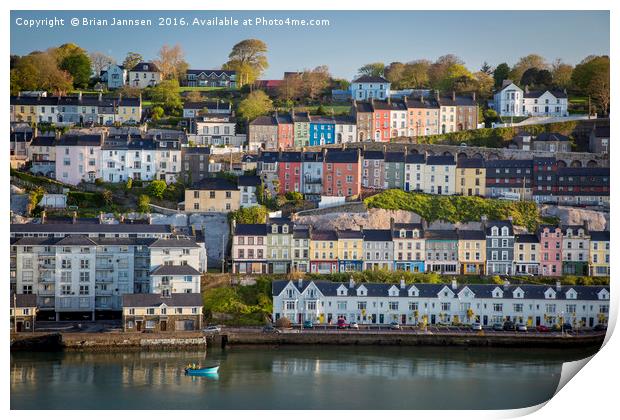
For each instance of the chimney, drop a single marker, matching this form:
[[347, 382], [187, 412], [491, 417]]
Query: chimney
[[558, 285], [506, 284], [74, 218], [402, 282], [351, 282], [392, 224], [454, 284]]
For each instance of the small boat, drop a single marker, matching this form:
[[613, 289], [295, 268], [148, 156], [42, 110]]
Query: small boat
[[202, 371]]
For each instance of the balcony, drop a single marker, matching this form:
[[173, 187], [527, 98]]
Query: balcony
[[104, 279]]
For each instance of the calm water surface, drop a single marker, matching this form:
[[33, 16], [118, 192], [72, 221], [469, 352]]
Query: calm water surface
[[291, 378]]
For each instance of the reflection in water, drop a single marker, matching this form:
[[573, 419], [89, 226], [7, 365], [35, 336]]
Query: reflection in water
[[290, 378]]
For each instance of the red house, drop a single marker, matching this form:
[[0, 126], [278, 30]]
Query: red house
[[342, 172], [381, 118], [289, 172], [285, 131]]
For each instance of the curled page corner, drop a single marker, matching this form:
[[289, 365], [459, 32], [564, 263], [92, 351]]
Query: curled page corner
[[569, 370]]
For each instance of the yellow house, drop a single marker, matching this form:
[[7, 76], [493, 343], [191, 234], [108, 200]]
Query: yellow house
[[24, 109], [212, 195], [323, 251], [128, 110], [156, 313], [470, 177], [23, 312], [350, 250], [472, 251], [599, 253]]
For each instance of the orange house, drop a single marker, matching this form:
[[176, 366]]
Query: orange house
[[342, 172]]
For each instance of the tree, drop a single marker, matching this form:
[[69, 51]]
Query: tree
[[128, 91], [167, 95], [501, 73], [171, 62], [291, 88], [527, 62], [484, 82], [131, 60], [100, 62], [439, 70], [372, 69], [157, 188], [315, 82], [79, 67], [592, 78], [107, 197], [453, 76], [157, 112], [415, 74], [256, 104], [394, 74], [66, 50], [599, 89], [529, 77], [561, 73], [248, 59], [193, 96], [341, 84], [144, 203], [544, 78], [486, 68], [250, 215], [39, 71]]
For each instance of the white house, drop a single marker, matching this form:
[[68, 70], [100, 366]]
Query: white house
[[439, 175], [144, 75], [413, 304], [218, 130], [176, 266], [512, 101], [415, 168], [345, 129], [367, 87], [114, 76]]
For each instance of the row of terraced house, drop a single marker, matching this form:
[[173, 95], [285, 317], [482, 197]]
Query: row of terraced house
[[345, 172], [495, 248], [373, 120]]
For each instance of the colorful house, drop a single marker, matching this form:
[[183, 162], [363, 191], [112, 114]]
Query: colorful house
[[323, 252], [550, 238], [279, 240], [363, 114], [289, 172], [342, 173], [378, 249], [409, 246], [381, 120], [599, 253], [441, 251], [472, 251], [500, 247], [322, 130], [285, 131], [350, 250], [373, 169], [526, 255], [415, 168], [575, 250], [394, 164], [470, 177], [301, 129]]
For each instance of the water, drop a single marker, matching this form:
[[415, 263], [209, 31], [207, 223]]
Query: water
[[291, 378]]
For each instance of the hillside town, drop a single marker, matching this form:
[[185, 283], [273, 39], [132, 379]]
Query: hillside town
[[137, 187]]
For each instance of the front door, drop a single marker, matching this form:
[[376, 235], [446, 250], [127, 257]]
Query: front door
[[432, 319], [537, 321], [20, 326], [403, 319], [374, 318], [163, 325], [139, 325], [485, 320], [439, 190], [380, 318]]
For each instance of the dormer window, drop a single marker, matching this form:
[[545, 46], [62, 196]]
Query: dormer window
[[403, 233], [494, 231], [416, 233], [504, 231], [274, 228], [285, 229]]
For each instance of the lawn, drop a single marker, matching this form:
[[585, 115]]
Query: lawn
[[201, 89]]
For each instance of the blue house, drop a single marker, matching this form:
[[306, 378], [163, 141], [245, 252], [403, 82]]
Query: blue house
[[322, 130]]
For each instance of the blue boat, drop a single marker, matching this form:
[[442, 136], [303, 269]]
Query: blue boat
[[211, 370]]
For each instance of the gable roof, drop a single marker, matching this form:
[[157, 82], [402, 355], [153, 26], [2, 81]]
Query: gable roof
[[216, 184], [370, 79], [175, 270], [154, 300], [145, 66]]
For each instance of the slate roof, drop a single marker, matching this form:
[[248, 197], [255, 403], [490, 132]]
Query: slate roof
[[601, 131], [264, 120], [440, 160], [415, 158], [43, 141], [23, 301], [76, 240], [301, 117], [215, 184], [248, 181], [373, 155], [145, 66], [583, 171], [174, 243], [500, 224], [599, 235], [175, 270], [470, 235], [526, 238], [551, 137], [470, 163], [208, 72], [88, 228], [349, 234], [509, 163], [138, 300], [80, 140], [441, 234], [539, 93], [323, 235], [342, 156], [251, 229], [377, 235], [362, 106], [196, 150], [398, 157], [370, 79], [428, 290]]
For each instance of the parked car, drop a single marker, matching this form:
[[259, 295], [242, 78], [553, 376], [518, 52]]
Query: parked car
[[308, 324], [271, 329], [212, 329], [498, 327], [354, 326], [508, 326], [600, 327], [394, 325], [542, 328], [342, 323], [521, 327], [476, 326]]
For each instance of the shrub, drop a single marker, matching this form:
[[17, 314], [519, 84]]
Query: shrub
[[144, 203], [157, 188], [283, 322]]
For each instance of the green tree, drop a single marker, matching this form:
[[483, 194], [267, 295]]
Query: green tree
[[501, 73], [561, 73], [372, 69], [248, 58], [591, 77], [157, 188], [416, 74], [166, 94], [250, 215], [79, 67], [39, 71], [157, 112], [131, 60], [294, 196], [527, 62], [256, 104], [144, 203]]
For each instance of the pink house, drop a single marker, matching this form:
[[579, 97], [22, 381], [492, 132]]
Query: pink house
[[550, 250], [78, 158]]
